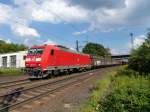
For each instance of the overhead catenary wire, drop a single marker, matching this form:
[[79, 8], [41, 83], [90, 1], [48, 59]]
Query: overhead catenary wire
[[71, 25]]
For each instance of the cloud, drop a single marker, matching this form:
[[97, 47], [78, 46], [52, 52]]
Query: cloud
[[137, 42], [55, 11], [50, 42], [5, 13], [119, 52], [100, 15], [22, 13], [6, 40], [25, 31], [72, 48], [79, 32], [33, 41], [94, 4], [106, 18], [114, 52], [18, 19]]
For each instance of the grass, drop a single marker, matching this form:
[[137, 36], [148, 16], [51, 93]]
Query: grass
[[121, 91], [11, 72], [99, 91]]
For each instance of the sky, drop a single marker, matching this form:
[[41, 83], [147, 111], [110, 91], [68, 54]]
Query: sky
[[107, 22]]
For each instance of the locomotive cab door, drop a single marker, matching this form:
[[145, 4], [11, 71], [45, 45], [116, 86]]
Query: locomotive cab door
[[52, 57]]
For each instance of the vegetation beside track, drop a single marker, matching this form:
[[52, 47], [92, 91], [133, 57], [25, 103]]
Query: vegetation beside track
[[101, 87], [11, 72], [140, 58], [123, 91]]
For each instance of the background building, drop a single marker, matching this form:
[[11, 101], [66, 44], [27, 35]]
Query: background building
[[16, 59]]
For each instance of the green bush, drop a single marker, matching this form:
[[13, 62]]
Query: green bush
[[130, 93], [140, 58]]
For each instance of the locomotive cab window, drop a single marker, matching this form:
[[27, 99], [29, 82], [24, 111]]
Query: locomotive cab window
[[35, 51], [39, 51], [52, 52]]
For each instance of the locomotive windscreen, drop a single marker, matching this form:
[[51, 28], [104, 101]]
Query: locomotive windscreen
[[35, 51]]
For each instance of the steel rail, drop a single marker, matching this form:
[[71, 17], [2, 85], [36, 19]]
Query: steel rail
[[53, 82], [50, 91], [7, 82], [14, 84]]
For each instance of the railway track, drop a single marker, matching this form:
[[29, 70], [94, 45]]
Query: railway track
[[22, 95], [17, 83], [14, 83]]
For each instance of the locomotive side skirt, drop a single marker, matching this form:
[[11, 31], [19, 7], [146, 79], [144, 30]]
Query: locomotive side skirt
[[67, 67]]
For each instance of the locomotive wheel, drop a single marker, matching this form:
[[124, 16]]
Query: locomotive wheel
[[50, 75], [76, 70], [56, 72], [84, 70], [66, 72]]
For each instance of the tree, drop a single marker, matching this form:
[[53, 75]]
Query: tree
[[96, 49], [11, 47], [140, 58]]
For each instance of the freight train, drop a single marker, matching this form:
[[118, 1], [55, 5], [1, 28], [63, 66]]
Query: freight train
[[47, 60]]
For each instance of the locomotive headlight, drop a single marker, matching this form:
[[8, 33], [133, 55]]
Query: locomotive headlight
[[28, 59], [38, 59]]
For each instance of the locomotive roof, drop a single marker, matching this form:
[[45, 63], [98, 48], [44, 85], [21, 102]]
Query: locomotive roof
[[68, 49], [60, 47], [36, 47]]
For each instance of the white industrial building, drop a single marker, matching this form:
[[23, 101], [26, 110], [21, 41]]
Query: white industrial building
[[16, 59]]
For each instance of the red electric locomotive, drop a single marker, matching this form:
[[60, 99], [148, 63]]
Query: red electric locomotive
[[42, 61]]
